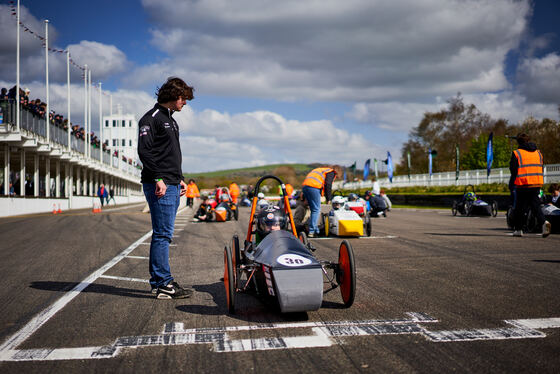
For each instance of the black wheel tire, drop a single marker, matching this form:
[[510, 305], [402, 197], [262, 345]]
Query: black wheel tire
[[302, 236], [236, 249], [229, 281], [236, 213], [494, 208], [368, 226], [509, 218], [454, 208], [346, 273], [468, 209]]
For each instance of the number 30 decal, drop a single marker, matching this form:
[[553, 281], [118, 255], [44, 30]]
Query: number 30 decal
[[293, 260]]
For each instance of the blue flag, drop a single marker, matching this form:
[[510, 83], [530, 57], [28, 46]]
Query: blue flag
[[489, 154], [430, 161], [366, 169], [389, 167], [344, 179]]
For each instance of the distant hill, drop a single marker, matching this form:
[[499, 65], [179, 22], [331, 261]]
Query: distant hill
[[288, 173]]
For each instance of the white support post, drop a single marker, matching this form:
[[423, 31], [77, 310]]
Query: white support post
[[6, 170], [100, 123], [57, 181], [89, 116], [22, 173], [78, 181], [36, 175], [47, 176]]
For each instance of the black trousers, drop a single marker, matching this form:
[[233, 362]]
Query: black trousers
[[527, 198]]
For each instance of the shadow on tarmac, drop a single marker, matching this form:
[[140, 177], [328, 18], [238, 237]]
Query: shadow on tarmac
[[93, 287], [549, 261], [458, 234]]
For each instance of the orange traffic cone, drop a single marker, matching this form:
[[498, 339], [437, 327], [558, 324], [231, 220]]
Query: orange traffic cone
[[54, 211], [59, 210]]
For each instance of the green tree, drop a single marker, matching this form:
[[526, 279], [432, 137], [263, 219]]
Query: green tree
[[475, 157]]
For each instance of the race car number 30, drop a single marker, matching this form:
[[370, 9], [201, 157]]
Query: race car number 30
[[293, 260]]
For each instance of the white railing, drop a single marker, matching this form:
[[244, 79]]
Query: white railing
[[551, 175]]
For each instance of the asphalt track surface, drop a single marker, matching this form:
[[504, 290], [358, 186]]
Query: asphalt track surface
[[435, 294]]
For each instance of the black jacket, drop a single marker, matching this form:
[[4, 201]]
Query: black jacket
[[514, 164], [158, 146]]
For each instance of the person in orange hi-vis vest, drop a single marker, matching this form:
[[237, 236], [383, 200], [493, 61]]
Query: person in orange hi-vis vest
[[526, 181], [192, 192], [316, 184], [234, 192]]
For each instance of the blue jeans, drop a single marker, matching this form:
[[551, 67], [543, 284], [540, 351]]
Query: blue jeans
[[163, 211], [313, 197]]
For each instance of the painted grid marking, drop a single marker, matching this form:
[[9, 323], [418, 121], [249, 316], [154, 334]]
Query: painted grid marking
[[125, 278], [323, 334]]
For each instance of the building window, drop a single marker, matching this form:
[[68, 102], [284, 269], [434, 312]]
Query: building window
[[114, 142], [130, 124], [130, 142], [123, 142], [114, 123], [123, 123], [106, 123]]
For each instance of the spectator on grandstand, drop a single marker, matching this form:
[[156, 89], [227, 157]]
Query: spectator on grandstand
[[4, 94]]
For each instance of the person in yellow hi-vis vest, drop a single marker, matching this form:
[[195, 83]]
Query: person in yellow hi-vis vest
[[316, 184], [526, 167]]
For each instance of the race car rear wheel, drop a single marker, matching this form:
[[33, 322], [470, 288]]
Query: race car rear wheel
[[326, 223], [236, 250], [302, 236], [494, 208], [454, 208], [346, 273], [229, 282], [236, 212]]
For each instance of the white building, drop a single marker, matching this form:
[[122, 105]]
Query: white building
[[121, 132]]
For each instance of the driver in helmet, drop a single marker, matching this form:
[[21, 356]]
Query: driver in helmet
[[270, 218], [225, 204], [470, 196], [337, 202]]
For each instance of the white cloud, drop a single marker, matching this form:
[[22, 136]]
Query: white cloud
[[104, 60], [539, 78], [359, 50]]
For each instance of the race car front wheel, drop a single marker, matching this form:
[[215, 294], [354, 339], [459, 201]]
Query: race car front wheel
[[229, 281], [454, 208], [494, 208], [346, 273]]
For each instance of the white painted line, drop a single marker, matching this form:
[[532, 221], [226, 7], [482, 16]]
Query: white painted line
[[171, 245], [138, 257], [37, 321], [125, 278], [378, 237], [537, 323], [122, 208]]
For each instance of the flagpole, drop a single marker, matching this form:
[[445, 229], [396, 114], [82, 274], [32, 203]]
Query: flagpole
[[100, 123], [17, 69], [85, 109], [47, 78], [89, 114], [68, 98]]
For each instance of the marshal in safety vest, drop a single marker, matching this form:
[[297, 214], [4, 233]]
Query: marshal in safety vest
[[316, 178], [530, 171]]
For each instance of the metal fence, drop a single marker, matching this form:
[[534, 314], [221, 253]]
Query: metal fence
[[36, 126], [501, 175]]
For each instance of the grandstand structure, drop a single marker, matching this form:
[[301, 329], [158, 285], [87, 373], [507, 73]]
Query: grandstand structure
[[37, 173]]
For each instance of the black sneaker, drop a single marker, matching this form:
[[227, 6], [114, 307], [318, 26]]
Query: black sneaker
[[173, 291]]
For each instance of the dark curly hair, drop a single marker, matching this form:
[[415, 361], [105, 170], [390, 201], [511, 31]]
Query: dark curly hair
[[173, 89]]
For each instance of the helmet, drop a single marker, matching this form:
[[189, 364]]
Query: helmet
[[270, 218], [260, 195], [471, 196], [224, 197], [352, 197], [337, 202]]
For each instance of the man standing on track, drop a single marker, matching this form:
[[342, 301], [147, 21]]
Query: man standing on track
[[526, 167], [162, 180], [316, 184]]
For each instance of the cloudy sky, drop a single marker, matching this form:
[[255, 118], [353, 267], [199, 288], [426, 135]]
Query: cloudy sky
[[295, 80]]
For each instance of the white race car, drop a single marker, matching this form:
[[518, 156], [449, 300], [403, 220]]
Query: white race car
[[347, 218]]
